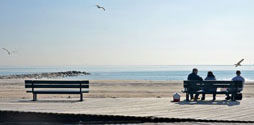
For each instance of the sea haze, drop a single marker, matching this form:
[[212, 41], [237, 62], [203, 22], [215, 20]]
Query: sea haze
[[140, 72]]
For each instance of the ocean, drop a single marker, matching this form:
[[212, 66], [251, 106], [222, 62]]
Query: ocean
[[138, 72]]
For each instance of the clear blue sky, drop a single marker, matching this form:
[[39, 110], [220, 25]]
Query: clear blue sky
[[129, 32]]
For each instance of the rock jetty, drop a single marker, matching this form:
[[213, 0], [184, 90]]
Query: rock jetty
[[45, 75]]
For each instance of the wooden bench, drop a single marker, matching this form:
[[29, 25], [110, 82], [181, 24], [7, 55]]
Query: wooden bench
[[57, 87], [205, 87]]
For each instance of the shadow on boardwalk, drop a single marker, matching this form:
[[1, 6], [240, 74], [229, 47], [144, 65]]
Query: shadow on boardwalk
[[49, 101], [219, 102]]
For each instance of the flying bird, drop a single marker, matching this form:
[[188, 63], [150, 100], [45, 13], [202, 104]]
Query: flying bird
[[239, 63], [6, 50], [100, 7]]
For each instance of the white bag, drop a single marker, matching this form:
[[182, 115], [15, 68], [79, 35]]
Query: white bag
[[223, 89]]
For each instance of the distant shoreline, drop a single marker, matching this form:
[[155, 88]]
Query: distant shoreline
[[140, 72], [45, 75]]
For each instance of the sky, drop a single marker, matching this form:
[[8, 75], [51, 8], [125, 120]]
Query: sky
[[129, 32]]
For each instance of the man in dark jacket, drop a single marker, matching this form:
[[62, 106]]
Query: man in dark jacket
[[194, 76]]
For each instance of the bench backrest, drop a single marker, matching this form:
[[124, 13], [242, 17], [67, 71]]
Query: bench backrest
[[212, 84], [56, 84]]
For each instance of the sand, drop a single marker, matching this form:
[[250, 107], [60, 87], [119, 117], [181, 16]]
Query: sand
[[129, 98], [14, 89]]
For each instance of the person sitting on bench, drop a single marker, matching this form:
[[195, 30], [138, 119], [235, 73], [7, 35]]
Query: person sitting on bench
[[238, 77], [194, 76], [210, 76]]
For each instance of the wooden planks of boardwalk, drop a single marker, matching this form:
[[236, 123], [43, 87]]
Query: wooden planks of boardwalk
[[142, 107]]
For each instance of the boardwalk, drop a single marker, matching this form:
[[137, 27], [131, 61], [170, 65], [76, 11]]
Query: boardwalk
[[155, 107]]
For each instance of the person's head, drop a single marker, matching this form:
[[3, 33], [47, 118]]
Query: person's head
[[210, 74], [195, 70], [238, 72]]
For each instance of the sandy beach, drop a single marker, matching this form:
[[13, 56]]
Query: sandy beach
[[111, 89], [133, 98]]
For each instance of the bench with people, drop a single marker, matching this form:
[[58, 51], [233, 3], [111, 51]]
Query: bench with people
[[195, 85]]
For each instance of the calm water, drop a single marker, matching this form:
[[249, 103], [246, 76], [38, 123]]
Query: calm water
[[157, 72]]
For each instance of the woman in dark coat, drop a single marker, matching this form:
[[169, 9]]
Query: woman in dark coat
[[210, 76]]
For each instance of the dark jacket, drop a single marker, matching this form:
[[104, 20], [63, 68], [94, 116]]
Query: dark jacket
[[194, 76]]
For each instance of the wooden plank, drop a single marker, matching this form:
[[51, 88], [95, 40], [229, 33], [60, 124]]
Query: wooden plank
[[193, 81], [224, 92], [57, 91], [200, 83], [212, 86], [57, 81], [56, 86]]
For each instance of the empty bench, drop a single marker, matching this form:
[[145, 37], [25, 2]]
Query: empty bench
[[205, 87], [57, 87]]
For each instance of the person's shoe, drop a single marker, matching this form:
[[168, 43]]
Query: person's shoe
[[214, 99], [227, 98]]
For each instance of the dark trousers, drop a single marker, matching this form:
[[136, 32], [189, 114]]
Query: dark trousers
[[239, 90], [203, 96]]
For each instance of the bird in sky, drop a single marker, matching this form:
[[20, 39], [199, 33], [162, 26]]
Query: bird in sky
[[239, 63], [6, 50], [100, 7]]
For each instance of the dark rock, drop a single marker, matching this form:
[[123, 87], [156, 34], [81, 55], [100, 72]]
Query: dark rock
[[45, 75]]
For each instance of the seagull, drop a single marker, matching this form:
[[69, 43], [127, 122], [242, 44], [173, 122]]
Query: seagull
[[239, 63], [9, 53], [100, 7]]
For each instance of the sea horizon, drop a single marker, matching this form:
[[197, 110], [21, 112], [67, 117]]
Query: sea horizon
[[136, 72]]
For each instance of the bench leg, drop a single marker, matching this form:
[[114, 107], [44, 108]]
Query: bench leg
[[233, 97], [187, 96], [34, 97], [81, 97]]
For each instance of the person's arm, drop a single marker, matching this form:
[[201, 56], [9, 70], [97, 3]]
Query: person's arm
[[201, 79], [233, 79], [188, 77], [243, 80]]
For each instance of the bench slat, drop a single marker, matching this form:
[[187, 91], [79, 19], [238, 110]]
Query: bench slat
[[210, 86], [192, 81], [57, 92], [217, 92], [56, 86], [56, 81]]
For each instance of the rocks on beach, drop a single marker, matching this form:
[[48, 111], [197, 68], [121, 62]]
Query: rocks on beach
[[45, 75]]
